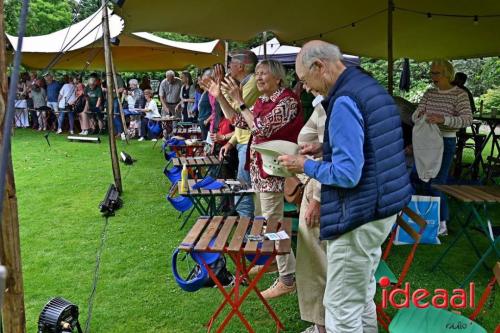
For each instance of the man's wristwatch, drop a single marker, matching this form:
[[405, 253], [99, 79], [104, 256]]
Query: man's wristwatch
[[243, 107]]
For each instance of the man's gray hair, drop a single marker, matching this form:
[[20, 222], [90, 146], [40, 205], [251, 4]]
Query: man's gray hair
[[323, 51], [170, 72], [247, 58], [133, 81]]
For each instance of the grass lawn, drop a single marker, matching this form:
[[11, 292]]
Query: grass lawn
[[59, 190]]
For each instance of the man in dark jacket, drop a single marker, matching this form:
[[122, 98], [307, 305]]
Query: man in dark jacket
[[364, 183]]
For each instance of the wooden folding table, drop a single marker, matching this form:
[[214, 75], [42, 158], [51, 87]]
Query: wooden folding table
[[229, 236]]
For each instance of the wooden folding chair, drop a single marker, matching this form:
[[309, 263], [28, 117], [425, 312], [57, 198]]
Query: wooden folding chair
[[430, 319], [383, 268]]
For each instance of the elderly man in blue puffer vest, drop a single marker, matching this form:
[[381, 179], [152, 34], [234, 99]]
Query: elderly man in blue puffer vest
[[364, 183]]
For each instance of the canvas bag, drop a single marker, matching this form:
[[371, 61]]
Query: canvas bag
[[427, 149], [429, 209]]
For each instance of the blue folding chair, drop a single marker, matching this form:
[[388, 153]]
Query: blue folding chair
[[180, 203], [174, 174]]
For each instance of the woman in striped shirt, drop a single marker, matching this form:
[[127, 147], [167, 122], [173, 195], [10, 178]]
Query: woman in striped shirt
[[447, 106]]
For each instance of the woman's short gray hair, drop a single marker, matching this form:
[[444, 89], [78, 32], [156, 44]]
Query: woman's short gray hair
[[170, 73], [323, 51], [133, 81], [448, 70], [276, 68]]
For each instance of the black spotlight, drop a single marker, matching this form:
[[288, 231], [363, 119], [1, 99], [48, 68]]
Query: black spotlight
[[126, 158], [115, 41], [119, 3], [59, 316], [111, 201]]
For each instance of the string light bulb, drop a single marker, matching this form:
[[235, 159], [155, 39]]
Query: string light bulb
[[429, 16], [476, 20], [353, 24]]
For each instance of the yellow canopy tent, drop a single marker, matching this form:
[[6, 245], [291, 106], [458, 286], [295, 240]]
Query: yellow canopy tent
[[422, 30], [138, 51]]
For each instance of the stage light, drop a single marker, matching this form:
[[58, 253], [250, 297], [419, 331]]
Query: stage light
[[126, 158], [115, 41], [84, 138], [111, 201], [59, 316]]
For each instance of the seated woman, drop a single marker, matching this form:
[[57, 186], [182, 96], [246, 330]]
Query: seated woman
[[150, 112]]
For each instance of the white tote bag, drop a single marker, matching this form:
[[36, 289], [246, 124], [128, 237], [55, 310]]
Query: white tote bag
[[427, 149]]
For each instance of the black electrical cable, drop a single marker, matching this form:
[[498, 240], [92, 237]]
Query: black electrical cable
[[9, 114], [96, 275]]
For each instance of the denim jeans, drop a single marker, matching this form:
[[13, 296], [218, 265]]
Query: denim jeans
[[60, 120], [246, 206], [450, 145]]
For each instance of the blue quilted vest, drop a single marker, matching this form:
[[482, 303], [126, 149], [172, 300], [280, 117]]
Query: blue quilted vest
[[384, 188]]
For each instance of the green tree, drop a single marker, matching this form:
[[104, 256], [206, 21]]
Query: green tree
[[45, 16]]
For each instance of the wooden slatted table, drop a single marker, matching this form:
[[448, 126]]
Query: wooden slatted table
[[198, 165], [167, 124], [187, 132], [205, 201], [228, 236], [193, 150], [473, 200]]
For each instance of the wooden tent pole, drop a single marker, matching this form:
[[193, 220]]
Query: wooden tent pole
[[390, 59], [109, 82], [120, 106], [14, 318], [264, 38]]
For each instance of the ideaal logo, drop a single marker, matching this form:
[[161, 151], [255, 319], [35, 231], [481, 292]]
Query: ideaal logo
[[422, 298]]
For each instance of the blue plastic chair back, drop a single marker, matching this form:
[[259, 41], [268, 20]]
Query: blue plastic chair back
[[204, 182], [180, 203], [174, 174]]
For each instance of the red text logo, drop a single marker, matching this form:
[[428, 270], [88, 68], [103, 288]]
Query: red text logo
[[422, 298]]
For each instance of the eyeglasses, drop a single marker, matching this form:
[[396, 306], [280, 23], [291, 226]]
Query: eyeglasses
[[303, 80], [434, 73]]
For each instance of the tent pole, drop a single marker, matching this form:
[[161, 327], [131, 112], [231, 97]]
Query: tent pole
[[226, 55], [120, 106], [13, 311], [390, 59], [264, 40], [109, 91]]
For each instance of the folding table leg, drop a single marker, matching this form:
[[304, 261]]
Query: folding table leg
[[227, 296], [240, 262]]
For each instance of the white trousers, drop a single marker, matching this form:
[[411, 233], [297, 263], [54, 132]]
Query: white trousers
[[350, 285]]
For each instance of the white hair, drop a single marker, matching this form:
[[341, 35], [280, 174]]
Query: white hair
[[324, 51], [170, 72], [134, 82]]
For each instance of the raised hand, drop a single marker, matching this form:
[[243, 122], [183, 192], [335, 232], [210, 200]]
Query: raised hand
[[232, 88], [218, 73], [212, 86]]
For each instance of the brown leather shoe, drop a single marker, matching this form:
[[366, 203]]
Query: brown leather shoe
[[273, 268], [278, 289]]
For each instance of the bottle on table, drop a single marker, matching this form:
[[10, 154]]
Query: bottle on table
[[184, 179]]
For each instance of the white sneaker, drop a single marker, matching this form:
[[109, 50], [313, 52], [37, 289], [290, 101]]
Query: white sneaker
[[443, 230], [71, 132], [141, 138], [154, 140], [59, 131], [84, 132], [123, 137]]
